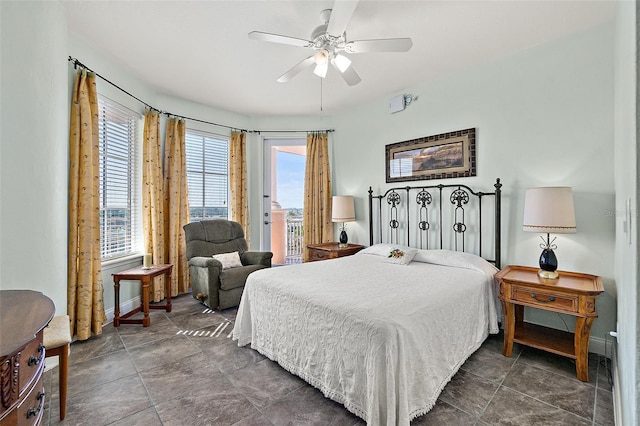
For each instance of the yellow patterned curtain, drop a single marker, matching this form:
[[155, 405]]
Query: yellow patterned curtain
[[152, 200], [176, 204], [238, 181], [317, 193], [85, 304]]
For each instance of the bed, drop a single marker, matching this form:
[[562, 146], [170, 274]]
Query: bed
[[383, 331]]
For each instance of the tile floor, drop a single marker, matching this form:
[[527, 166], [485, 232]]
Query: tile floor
[[160, 376]]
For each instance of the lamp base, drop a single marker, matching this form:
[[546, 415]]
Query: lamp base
[[548, 262], [549, 275], [343, 238]]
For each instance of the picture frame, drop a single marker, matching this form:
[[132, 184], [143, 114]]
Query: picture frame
[[443, 156]]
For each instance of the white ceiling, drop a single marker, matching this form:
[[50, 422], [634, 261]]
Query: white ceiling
[[199, 50]]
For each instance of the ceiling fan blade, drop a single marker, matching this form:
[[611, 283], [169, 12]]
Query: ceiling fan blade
[[276, 38], [381, 45], [295, 70], [340, 16], [349, 75]]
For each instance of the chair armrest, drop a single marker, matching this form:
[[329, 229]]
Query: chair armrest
[[205, 279], [205, 262], [256, 258]]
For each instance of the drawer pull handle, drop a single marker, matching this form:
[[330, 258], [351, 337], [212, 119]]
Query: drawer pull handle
[[33, 360], [550, 299], [35, 411]]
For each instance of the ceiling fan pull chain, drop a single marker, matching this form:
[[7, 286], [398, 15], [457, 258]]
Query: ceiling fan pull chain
[[321, 95]]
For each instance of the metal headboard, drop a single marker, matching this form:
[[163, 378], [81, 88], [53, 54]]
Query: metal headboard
[[420, 209]]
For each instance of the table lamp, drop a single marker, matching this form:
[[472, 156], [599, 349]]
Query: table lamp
[[343, 211], [549, 210]]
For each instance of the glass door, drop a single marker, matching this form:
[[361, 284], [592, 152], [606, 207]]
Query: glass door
[[284, 164]]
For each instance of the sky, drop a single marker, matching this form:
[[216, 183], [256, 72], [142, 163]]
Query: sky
[[290, 180]]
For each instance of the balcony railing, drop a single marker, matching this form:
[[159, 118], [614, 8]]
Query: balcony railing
[[293, 240]]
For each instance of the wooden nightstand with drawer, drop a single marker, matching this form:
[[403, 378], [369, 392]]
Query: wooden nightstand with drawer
[[326, 251], [571, 293]]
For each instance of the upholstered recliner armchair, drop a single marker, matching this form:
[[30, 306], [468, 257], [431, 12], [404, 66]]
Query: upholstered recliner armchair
[[214, 286]]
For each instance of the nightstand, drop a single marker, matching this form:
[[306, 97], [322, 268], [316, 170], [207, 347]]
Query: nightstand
[[331, 251], [571, 293]]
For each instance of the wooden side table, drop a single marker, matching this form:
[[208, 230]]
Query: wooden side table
[[144, 276], [572, 293], [325, 251]]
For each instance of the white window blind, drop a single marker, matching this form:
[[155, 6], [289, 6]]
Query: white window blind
[[118, 204], [207, 175]]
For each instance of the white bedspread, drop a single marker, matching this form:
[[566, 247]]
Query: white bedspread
[[381, 339]]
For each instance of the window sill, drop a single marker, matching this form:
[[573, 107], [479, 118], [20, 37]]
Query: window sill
[[121, 261]]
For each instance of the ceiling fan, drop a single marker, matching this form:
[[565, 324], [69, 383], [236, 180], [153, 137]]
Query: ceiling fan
[[329, 40]]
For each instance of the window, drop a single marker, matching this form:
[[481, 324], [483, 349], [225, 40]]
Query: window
[[118, 172], [207, 170]]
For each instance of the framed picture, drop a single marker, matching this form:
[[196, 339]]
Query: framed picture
[[448, 155]]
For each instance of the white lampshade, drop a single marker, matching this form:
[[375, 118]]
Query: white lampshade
[[549, 210], [321, 70], [343, 210], [341, 62], [321, 57]]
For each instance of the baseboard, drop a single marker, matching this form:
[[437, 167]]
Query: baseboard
[[51, 362], [127, 306], [615, 388], [597, 345]]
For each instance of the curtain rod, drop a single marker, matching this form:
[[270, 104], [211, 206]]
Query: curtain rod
[[77, 63]]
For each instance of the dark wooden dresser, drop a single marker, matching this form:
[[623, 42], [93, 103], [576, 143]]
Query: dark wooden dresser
[[23, 316], [325, 251]]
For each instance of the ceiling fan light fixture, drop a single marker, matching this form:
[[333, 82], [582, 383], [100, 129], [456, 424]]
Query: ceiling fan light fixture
[[321, 57], [321, 70], [342, 62], [328, 39]]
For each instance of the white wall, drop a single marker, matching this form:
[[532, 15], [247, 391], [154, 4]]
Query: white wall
[[33, 150], [626, 184], [543, 117]]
